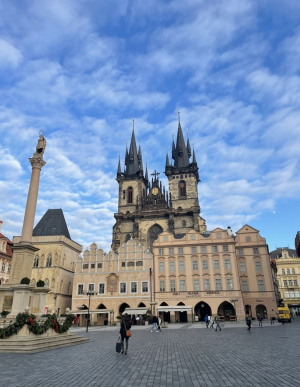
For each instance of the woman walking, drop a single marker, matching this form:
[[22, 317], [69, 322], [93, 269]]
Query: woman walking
[[125, 326]]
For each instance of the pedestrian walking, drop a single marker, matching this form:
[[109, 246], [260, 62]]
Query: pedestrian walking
[[248, 322], [260, 320], [217, 321], [211, 321], [206, 321], [154, 324], [159, 324], [77, 321], [272, 320], [124, 329]]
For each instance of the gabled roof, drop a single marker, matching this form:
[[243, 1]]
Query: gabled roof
[[52, 223], [249, 229]]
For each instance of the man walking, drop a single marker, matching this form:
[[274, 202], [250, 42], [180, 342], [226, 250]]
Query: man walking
[[260, 320], [211, 322], [154, 324], [248, 322], [206, 321], [217, 321]]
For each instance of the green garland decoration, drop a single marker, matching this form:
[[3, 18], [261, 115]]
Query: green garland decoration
[[34, 326]]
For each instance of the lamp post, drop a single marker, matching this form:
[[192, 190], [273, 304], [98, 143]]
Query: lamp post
[[89, 294], [233, 302], [152, 304]]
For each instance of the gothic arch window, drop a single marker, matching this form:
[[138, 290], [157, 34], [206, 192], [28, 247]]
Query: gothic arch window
[[46, 283], [49, 261], [9, 269], [129, 194], [52, 284], [3, 267], [127, 238], [36, 261], [69, 288], [182, 188], [153, 233], [183, 223]]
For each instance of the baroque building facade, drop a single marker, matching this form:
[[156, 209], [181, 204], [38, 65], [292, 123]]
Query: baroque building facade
[[288, 276], [54, 263], [145, 208], [5, 257], [122, 282]]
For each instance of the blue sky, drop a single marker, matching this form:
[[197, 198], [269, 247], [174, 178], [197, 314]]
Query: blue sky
[[80, 70]]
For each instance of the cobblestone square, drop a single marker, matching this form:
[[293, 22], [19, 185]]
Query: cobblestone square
[[182, 355]]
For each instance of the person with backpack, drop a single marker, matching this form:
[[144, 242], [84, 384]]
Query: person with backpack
[[248, 322], [217, 321], [154, 323], [125, 332], [206, 321]]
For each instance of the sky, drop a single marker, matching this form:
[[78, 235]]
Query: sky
[[81, 69]]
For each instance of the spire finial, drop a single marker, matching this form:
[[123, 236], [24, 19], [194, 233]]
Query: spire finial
[[178, 117], [132, 123]]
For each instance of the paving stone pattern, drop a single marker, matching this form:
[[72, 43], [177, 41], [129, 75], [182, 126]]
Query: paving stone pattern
[[176, 357]]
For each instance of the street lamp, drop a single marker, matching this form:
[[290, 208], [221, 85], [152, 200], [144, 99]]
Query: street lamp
[[152, 304], [89, 294], [233, 302]]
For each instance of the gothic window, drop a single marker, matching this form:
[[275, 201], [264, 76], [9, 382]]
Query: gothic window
[[49, 261], [183, 223], [130, 194], [9, 269], [182, 190], [36, 261], [46, 283], [3, 267]]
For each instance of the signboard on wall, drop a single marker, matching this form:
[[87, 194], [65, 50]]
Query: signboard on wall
[[7, 302]]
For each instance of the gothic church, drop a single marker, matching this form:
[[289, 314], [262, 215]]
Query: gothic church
[[145, 208]]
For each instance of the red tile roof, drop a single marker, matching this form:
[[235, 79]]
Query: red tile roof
[[8, 245]]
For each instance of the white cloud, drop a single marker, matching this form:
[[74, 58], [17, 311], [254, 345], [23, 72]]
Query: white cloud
[[9, 55]]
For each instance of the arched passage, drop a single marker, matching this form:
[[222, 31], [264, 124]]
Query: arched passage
[[262, 311], [226, 309], [101, 306], [165, 316], [122, 307], [201, 310], [141, 305], [248, 310], [102, 318], [181, 316]]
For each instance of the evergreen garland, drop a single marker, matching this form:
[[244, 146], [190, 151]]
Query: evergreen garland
[[34, 326]]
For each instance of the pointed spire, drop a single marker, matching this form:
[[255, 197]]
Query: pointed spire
[[181, 153], [133, 162], [173, 148], [167, 159], [188, 146], [140, 159], [146, 173], [119, 166], [194, 157]]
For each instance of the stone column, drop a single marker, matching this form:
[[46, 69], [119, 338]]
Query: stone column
[[37, 164]]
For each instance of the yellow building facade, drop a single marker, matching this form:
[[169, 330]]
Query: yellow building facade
[[121, 281], [288, 277]]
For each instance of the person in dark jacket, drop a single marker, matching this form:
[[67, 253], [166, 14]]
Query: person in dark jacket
[[125, 325], [154, 323], [248, 322]]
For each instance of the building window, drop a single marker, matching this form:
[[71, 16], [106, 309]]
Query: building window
[[172, 266], [91, 287], [124, 194], [80, 289], [227, 264], [196, 284], [85, 265], [130, 195], [295, 283], [255, 250], [219, 236], [99, 265], [123, 264], [92, 266], [145, 287], [171, 250], [225, 249], [293, 271], [195, 265], [297, 294], [203, 249], [290, 283], [123, 287], [172, 286], [182, 285], [36, 261], [229, 284], [183, 223], [240, 251], [282, 271], [205, 264], [49, 261], [248, 239], [194, 249], [216, 264], [245, 286], [162, 286], [287, 295], [206, 284], [192, 237], [181, 265], [131, 263], [161, 251], [261, 285], [9, 269], [182, 188], [101, 288], [292, 295], [133, 287], [288, 271], [180, 250], [139, 263], [214, 249], [258, 266], [284, 283], [242, 266], [218, 284], [161, 266]]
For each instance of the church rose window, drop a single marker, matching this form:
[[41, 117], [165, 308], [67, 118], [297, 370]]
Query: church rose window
[[130, 195]]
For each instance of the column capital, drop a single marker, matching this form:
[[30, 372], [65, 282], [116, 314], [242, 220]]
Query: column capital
[[37, 162]]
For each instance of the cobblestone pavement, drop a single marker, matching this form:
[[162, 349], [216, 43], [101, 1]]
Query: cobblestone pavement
[[268, 356]]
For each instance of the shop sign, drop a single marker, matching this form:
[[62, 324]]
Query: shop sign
[[176, 294], [212, 292], [192, 294]]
